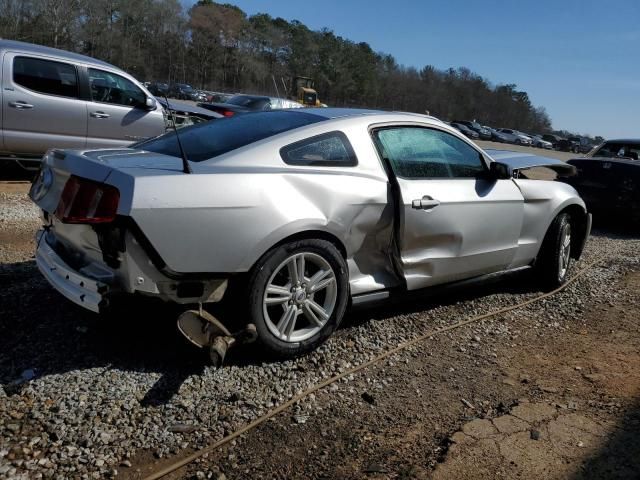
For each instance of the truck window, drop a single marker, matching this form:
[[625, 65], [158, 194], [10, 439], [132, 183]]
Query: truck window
[[107, 87], [46, 76]]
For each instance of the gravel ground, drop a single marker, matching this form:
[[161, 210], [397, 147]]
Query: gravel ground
[[79, 398]]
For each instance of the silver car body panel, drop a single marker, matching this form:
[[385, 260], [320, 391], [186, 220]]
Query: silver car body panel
[[38, 127], [32, 122], [233, 209]]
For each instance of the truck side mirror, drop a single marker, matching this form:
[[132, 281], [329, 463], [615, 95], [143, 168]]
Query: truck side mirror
[[150, 103], [499, 171]]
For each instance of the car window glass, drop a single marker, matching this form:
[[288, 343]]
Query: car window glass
[[107, 87], [330, 149], [46, 76], [426, 153], [211, 139], [619, 150]]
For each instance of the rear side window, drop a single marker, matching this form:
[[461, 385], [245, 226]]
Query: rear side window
[[217, 137], [329, 149], [46, 76]]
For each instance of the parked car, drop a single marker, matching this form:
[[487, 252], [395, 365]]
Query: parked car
[[539, 142], [483, 132], [497, 136], [158, 89], [182, 91], [514, 136], [583, 144], [567, 145], [608, 178], [465, 130], [299, 212], [185, 114], [249, 103], [553, 139], [52, 98]]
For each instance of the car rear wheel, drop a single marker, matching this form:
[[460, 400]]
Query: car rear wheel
[[554, 260], [297, 296]]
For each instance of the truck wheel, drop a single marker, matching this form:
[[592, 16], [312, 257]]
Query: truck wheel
[[298, 294], [554, 259]]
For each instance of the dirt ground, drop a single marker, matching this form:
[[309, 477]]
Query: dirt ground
[[553, 403], [553, 400]]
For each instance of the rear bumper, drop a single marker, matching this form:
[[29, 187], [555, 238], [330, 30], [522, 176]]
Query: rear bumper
[[80, 289]]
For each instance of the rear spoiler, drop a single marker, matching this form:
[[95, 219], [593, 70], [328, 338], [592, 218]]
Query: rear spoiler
[[517, 161]]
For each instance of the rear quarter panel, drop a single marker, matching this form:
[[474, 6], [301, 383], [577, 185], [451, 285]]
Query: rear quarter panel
[[232, 211], [225, 222]]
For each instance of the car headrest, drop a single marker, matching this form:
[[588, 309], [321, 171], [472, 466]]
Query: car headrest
[[99, 83]]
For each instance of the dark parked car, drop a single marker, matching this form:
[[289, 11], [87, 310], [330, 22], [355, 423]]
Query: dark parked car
[[466, 131], [567, 145], [608, 179], [249, 103], [483, 132], [158, 89], [181, 91], [583, 144], [185, 114], [497, 136], [553, 139]]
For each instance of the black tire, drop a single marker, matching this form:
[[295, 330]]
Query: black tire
[[554, 260], [518, 141], [271, 264]]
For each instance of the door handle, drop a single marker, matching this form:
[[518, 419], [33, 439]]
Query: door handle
[[425, 203], [20, 105], [99, 115]]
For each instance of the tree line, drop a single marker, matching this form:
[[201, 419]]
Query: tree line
[[219, 47]]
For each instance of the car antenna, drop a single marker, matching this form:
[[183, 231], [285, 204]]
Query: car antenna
[[186, 168]]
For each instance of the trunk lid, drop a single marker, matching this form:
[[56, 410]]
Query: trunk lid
[[118, 167]]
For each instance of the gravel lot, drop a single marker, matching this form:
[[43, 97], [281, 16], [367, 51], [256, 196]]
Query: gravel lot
[[84, 398]]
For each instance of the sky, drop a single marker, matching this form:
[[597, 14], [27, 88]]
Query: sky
[[580, 59]]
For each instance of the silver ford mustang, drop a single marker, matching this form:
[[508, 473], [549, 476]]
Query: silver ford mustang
[[302, 212]]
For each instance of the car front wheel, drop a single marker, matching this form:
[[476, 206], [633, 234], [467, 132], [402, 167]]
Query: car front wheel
[[298, 294], [554, 259]]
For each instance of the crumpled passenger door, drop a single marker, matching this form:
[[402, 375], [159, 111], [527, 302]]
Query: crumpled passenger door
[[454, 222]]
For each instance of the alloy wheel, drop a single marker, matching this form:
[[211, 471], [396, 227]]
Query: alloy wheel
[[565, 250], [300, 297]]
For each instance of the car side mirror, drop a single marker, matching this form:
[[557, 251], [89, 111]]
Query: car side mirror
[[499, 171], [150, 103]]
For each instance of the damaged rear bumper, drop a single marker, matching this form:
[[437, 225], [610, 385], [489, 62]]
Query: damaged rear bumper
[[77, 287]]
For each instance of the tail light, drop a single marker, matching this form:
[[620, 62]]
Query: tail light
[[228, 113], [86, 201]]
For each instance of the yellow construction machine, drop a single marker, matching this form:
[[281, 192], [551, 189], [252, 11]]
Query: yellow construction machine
[[306, 94]]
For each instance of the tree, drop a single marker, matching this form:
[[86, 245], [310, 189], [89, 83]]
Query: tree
[[216, 46]]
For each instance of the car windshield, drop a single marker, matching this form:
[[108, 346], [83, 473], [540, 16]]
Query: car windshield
[[617, 149], [211, 139], [476, 125], [249, 102]]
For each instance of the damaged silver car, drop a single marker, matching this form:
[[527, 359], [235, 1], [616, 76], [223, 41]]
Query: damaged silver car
[[303, 212]]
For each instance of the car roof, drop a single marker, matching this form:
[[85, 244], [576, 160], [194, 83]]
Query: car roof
[[624, 140], [330, 113], [255, 97], [53, 52]]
